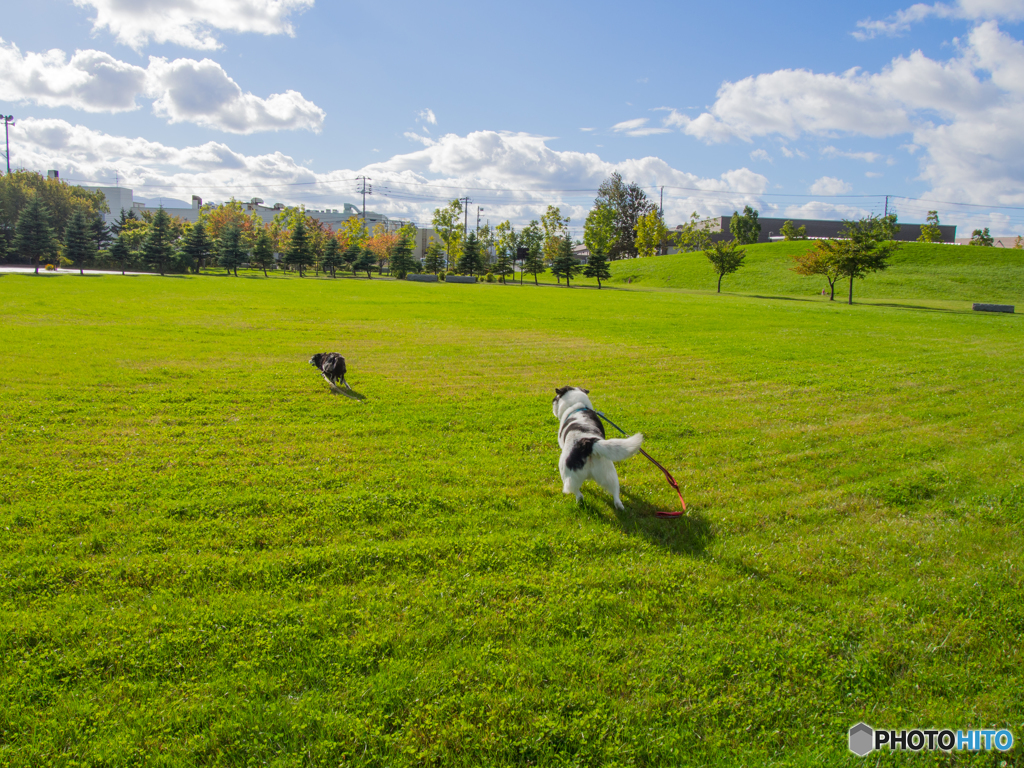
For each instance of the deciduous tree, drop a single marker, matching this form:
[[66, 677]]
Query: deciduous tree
[[930, 232], [448, 226], [792, 232], [553, 223], [630, 203], [982, 237], [821, 260], [506, 242], [745, 228], [863, 251], [725, 258], [695, 235], [650, 233]]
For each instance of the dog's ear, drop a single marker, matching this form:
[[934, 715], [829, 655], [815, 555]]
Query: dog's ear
[[561, 390], [584, 391]]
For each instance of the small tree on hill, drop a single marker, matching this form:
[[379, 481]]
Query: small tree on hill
[[725, 257], [791, 232], [745, 228], [565, 263], [982, 237], [597, 267], [821, 260], [33, 235], [79, 246], [532, 239], [650, 233], [863, 251], [158, 247], [930, 232], [695, 235], [230, 253]]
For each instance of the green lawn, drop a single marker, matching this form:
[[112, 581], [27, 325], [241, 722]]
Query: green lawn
[[918, 271], [208, 559]]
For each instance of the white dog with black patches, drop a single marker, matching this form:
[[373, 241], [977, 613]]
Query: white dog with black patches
[[586, 454]]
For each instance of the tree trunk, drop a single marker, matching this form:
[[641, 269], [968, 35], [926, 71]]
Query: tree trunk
[[851, 290], [720, 283], [264, 270], [599, 283], [37, 264], [236, 271], [832, 286]]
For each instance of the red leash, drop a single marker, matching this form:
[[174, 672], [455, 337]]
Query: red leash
[[668, 475]]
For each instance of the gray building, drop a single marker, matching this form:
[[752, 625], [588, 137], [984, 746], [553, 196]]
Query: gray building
[[771, 229]]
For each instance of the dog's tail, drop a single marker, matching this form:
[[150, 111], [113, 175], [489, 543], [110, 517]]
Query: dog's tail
[[619, 448]]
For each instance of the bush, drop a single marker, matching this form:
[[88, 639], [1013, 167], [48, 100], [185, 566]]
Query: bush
[[490, 277], [440, 276]]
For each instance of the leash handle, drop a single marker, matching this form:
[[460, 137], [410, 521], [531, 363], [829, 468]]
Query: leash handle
[[668, 475]]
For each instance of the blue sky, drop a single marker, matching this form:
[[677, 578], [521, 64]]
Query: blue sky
[[808, 109]]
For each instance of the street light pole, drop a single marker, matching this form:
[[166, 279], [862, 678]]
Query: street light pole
[[8, 122]]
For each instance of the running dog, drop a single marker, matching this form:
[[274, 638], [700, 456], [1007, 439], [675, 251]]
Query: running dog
[[585, 452]]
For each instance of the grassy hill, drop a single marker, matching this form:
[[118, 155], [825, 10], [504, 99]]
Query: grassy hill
[[918, 271], [207, 559]]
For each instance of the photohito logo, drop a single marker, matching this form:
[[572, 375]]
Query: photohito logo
[[864, 739]]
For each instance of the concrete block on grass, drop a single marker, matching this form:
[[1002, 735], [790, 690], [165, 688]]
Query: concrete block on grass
[[422, 278], [994, 308], [460, 279]]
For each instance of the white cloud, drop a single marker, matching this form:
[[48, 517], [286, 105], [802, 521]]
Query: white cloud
[[873, 174], [964, 113], [201, 92], [184, 90], [867, 157], [513, 172], [427, 116], [976, 10], [191, 22], [830, 186], [760, 154], [637, 127], [792, 152]]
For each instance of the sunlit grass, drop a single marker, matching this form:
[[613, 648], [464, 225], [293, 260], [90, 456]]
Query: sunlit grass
[[209, 559]]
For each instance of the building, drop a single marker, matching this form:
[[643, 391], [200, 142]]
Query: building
[[771, 229]]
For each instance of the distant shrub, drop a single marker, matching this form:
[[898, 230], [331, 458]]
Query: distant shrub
[[441, 276], [490, 277]]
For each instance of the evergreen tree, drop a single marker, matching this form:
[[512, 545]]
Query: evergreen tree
[[230, 251], [299, 252], [33, 235], [434, 261], [534, 261], [263, 251], [101, 234], [119, 252], [471, 261], [351, 255], [197, 247], [79, 246], [158, 247], [565, 263], [725, 258], [402, 262], [503, 264], [597, 266], [366, 261], [124, 216], [331, 259]]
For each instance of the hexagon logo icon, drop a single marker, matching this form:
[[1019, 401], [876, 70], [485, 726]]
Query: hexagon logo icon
[[861, 739]]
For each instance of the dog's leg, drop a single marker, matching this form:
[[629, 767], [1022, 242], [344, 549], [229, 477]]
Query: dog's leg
[[334, 387], [572, 484], [605, 475]]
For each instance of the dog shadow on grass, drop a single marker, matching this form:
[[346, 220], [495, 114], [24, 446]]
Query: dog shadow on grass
[[351, 394], [688, 534]]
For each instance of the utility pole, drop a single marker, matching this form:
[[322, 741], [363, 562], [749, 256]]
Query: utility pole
[[465, 223], [8, 122], [479, 209], [366, 189], [886, 205], [661, 207]]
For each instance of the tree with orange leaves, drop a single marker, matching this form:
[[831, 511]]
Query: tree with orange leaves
[[383, 245]]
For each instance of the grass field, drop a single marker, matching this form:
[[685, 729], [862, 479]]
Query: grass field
[[208, 559]]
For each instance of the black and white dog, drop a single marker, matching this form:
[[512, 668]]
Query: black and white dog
[[585, 452]]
